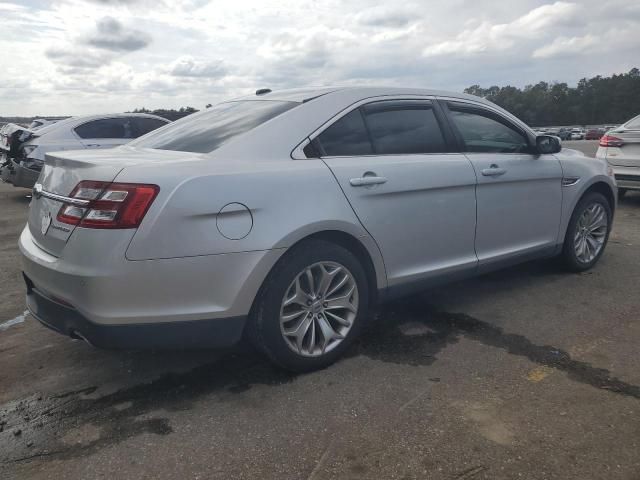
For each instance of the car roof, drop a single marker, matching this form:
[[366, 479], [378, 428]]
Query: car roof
[[306, 94], [74, 121]]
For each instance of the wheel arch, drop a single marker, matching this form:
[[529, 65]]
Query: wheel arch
[[604, 189], [371, 261], [598, 186]]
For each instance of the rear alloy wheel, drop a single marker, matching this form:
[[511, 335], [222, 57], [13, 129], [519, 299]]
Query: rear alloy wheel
[[319, 308], [587, 233], [312, 306]]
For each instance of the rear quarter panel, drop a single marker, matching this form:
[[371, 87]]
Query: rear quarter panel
[[287, 200]]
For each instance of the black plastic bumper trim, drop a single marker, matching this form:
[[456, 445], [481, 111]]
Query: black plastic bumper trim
[[190, 334]]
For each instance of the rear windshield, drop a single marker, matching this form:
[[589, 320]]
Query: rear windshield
[[205, 131]]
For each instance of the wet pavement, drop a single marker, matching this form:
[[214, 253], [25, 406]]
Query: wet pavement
[[526, 373]]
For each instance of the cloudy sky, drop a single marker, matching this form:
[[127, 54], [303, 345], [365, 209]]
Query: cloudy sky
[[86, 56]]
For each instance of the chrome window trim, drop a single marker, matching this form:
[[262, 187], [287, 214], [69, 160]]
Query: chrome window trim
[[345, 111]]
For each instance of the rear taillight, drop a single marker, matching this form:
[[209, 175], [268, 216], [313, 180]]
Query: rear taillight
[[111, 205], [611, 141]]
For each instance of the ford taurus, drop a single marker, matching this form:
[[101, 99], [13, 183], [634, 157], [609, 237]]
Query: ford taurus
[[287, 215]]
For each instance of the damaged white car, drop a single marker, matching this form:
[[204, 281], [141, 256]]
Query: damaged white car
[[22, 149]]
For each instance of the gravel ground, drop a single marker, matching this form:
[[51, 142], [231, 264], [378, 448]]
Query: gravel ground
[[527, 373]]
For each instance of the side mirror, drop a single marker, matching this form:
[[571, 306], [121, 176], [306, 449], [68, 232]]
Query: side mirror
[[548, 144]]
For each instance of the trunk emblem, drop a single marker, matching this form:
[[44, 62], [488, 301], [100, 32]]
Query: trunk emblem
[[46, 222]]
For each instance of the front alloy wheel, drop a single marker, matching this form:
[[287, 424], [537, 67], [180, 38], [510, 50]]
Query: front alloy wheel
[[590, 233], [587, 232]]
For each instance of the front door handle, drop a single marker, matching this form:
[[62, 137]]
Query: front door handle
[[366, 181], [493, 171]]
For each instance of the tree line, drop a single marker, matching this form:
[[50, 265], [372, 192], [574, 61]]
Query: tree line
[[593, 101], [169, 114]]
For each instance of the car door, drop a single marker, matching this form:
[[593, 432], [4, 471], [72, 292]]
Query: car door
[[414, 196], [519, 192], [106, 132]]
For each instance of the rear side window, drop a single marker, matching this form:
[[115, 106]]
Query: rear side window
[[146, 125], [347, 137], [107, 128], [385, 128], [205, 131], [403, 128], [483, 132]]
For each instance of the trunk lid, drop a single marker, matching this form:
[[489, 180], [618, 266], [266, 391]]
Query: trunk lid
[[628, 155], [62, 171]]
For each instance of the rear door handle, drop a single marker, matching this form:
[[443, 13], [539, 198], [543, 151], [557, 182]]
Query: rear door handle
[[493, 171], [365, 181]]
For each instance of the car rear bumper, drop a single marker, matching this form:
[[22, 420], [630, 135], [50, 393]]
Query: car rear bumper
[[64, 319], [180, 302], [19, 175], [627, 177]]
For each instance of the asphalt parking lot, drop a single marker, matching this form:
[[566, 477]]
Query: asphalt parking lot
[[528, 373]]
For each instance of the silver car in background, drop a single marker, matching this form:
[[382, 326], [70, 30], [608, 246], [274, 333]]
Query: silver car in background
[[621, 148], [22, 150], [287, 215]]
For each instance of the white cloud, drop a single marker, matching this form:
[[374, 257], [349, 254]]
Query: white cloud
[[187, 66], [562, 46], [503, 36], [83, 56]]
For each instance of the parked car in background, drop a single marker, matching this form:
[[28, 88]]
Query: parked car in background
[[23, 149], [41, 122], [620, 147], [594, 133], [178, 240], [564, 133], [577, 134]]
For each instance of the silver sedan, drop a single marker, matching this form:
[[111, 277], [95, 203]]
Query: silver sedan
[[287, 215]]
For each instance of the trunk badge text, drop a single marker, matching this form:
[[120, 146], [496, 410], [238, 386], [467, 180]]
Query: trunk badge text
[[46, 222]]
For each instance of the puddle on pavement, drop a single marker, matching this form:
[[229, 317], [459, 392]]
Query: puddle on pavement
[[410, 332]]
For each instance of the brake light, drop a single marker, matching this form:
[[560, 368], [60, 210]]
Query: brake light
[[611, 141], [111, 205]]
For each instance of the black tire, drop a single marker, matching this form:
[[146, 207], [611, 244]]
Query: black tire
[[571, 261], [264, 322], [622, 192]]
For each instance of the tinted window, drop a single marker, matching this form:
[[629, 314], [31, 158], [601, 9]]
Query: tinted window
[[482, 132], [404, 129], [347, 136], [107, 128], [146, 125], [205, 131]]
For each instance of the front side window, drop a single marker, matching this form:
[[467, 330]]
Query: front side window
[[482, 132], [208, 130], [107, 128]]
